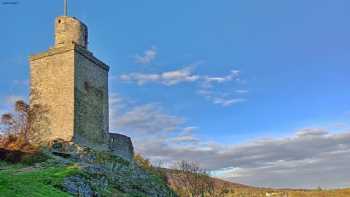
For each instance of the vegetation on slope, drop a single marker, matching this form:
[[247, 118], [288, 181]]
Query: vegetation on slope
[[21, 181], [99, 173], [88, 173], [188, 180]]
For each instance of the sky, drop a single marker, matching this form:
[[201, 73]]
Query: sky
[[255, 91]]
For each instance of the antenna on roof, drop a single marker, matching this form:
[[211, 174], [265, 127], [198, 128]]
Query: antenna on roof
[[65, 7]]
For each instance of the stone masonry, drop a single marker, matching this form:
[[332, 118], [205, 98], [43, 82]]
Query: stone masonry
[[121, 145], [73, 85]]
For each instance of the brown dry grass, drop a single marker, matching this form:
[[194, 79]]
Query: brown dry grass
[[239, 190]]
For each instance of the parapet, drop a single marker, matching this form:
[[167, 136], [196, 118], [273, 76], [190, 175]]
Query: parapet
[[121, 146], [70, 30]]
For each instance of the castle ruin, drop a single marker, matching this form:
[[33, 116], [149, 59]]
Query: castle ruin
[[73, 85]]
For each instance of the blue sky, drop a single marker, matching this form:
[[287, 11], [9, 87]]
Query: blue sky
[[220, 73]]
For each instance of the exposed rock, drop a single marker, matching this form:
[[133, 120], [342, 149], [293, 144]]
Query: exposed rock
[[77, 186], [105, 173]]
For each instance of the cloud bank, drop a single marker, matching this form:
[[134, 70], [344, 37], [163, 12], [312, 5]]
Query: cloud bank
[[310, 158]]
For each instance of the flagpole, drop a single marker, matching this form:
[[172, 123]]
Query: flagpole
[[65, 8]]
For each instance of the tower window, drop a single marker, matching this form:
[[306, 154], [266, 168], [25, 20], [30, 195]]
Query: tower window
[[87, 86]]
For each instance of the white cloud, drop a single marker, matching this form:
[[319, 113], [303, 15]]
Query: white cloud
[[234, 74], [190, 129], [288, 162], [11, 100], [169, 78], [8, 106], [140, 78], [116, 104], [8, 103], [208, 85], [209, 89], [227, 102], [178, 76], [312, 132], [219, 98], [185, 139], [148, 56], [149, 125], [148, 118]]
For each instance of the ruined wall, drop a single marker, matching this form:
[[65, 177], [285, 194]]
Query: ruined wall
[[52, 77], [121, 146], [91, 98]]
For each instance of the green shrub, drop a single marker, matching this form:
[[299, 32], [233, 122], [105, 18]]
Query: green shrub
[[156, 172], [33, 159]]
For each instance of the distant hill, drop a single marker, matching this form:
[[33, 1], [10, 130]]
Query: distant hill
[[240, 190], [172, 181]]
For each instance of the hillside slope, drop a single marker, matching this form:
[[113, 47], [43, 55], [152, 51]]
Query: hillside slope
[[91, 173], [87, 173]]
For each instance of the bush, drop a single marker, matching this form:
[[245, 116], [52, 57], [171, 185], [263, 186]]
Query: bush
[[22, 157], [148, 167], [33, 159]]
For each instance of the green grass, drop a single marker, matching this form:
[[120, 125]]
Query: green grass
[[27, 182]]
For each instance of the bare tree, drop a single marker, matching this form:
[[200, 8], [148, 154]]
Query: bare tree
[[27, 125], [190, 180], [193, 181], [221, 190], [38, 120], [15, 125]]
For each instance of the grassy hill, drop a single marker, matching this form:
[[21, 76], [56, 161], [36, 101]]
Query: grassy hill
[[20, 180], [88, 173], [101, 174]]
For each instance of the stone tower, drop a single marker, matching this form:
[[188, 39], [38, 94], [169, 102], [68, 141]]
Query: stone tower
[[73, 85]]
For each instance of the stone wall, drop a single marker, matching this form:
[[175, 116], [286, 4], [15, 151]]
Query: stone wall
[[73, 84], [121, 146], [52, 78], [68, 30], [91, 98]]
